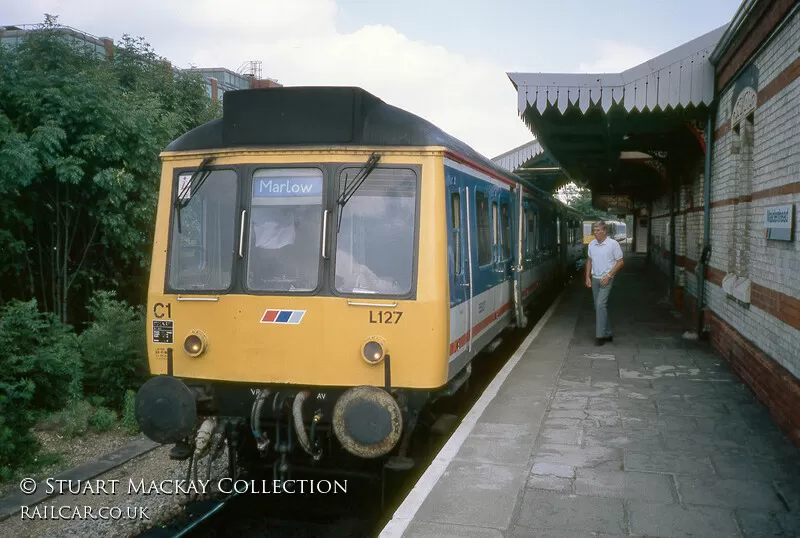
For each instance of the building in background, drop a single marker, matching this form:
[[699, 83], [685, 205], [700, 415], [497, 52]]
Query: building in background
[[218, 79]]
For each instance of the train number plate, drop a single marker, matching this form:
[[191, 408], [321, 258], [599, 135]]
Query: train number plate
[[163, 331], [388, 316]]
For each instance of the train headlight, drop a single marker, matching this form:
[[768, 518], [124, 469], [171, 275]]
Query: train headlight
[[374, 350], [195, 344]]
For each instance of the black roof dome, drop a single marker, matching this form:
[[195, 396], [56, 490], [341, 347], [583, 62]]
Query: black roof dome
[[320, 115]]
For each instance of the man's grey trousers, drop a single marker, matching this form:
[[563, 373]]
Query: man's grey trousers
[[601, 294]]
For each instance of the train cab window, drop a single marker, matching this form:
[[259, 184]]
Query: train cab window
[[484, 230], [375, 244], [285, 228], [455, 225], [201, 253], [505, 222]]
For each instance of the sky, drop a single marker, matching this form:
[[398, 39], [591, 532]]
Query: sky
[[444, 61]]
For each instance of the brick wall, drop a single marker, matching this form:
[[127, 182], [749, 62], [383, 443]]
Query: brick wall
[[770, 265], [760, 338]]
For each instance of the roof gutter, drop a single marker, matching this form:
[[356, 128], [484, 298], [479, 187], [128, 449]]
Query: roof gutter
[[726, 40]]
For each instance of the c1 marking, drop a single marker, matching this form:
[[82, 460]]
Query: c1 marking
[[158, 310], [387, 316]]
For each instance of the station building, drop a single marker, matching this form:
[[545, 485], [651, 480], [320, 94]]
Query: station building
[[218, 80], [702, 146]]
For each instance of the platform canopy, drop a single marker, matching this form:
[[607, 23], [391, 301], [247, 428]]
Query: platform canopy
[[533, 163], [621, 134]]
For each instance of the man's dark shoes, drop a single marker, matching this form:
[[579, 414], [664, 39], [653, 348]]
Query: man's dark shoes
[[608, 339], [599, 341]]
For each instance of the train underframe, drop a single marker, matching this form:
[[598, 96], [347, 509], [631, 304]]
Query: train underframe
[[359, 431]]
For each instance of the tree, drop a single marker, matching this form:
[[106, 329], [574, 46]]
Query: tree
[[80, 137], [580, 199]]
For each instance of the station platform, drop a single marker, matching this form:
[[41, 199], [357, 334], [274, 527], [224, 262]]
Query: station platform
[[649, 435]]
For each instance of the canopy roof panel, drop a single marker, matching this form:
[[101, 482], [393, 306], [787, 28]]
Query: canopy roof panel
[[618, 133], [680, 77]]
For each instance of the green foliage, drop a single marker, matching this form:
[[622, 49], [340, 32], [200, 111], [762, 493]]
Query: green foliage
[[71, 421], [80, 136], [129, 413], [40, 370], [36, 347], [103, 419], [580, 199], [114, 350]]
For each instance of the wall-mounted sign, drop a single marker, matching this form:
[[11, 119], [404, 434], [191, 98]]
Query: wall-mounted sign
[[613, 203], [779, 222]]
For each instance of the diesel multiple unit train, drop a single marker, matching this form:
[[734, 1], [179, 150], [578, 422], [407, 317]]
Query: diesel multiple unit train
[[326, 265]]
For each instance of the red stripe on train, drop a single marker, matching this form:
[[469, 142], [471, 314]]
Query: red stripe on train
[[459, 342]]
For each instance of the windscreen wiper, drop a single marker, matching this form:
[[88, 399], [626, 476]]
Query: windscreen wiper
[[366, 170], [199, 177]]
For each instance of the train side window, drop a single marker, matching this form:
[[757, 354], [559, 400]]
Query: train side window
[[558, 231], [484, 231], [455, 223], [505, 222], [495, 233], [525, 230], [532, 233]]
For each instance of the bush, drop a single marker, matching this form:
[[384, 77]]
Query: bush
[[72, 421], [114, 350], [40, 370], [103, 419], [129, 413]]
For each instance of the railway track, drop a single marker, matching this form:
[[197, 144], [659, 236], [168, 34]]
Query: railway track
[[365, 508]]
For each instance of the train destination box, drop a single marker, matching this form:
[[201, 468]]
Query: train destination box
[[779, 222]]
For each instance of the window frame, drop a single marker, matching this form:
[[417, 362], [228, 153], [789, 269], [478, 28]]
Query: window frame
[[333, 237], [234, 267], [247, 194]]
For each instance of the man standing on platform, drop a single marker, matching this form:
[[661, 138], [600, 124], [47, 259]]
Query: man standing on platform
[[605, 261]]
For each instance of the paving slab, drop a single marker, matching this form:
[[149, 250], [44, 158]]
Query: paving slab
[[672, 520], [728, 492], [625, 485], [555, 511], [500, 444], [474, 494], [668, 462]]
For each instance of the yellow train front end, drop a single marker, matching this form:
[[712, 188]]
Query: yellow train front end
[[302, 291]]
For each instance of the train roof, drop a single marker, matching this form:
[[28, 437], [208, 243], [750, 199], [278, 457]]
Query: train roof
[[323, 115]]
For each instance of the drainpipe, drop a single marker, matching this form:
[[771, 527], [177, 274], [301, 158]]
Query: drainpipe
[[672, 260], [706, 252]]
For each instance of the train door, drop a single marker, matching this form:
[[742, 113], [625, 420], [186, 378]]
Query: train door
[[560, 250], [484, 273], [460, 243]]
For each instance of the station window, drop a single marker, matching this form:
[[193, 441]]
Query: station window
[[484, 231], [455, 223]]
